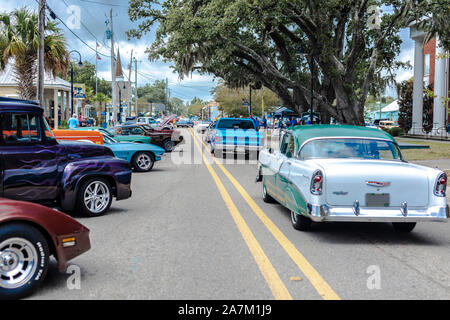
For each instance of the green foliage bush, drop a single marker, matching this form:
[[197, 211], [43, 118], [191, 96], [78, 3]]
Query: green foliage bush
[[395, 131]]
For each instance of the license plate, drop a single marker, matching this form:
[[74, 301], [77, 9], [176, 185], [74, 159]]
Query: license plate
[[240, 149], [377, 199]]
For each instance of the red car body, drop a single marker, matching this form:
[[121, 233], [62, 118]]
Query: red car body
[[53, 224]]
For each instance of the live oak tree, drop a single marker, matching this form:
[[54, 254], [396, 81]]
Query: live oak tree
[[258, 42]]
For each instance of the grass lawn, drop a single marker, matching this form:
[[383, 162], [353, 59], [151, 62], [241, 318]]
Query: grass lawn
[[438, 150]]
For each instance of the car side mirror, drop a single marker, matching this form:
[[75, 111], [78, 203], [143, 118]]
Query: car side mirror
[[270, 150]]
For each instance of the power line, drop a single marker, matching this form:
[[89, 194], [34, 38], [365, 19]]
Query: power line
[[55, 16], [81, 22], [105, 4]]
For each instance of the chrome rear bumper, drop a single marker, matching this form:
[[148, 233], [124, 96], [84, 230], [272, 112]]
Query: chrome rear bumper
[[322, 213], [237, 148]]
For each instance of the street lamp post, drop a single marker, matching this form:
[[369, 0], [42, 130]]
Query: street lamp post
[[71, 79]]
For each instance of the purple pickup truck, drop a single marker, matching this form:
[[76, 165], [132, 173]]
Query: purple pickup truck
[[34, 167]]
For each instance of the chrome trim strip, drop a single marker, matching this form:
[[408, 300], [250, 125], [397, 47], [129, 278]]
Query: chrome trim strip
[[348, 137], [324, 213]]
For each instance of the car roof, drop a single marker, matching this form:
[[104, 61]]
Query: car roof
[[234, 119], [306, 132], [11, 104]]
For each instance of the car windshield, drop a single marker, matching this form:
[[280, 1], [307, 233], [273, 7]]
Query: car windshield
[[106, 132], [108, 140], [235, 124], [350, 148], [147, 127]]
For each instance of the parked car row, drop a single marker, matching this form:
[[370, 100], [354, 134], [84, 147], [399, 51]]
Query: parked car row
[[43, 174]]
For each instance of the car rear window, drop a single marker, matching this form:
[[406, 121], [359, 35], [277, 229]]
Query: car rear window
[[235, 124], [341, 148]]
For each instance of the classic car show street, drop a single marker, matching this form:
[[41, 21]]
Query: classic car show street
[[198, 229], [224, 159]]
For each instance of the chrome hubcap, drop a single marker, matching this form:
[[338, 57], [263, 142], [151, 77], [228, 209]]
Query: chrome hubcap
[[169, 145], [96, 196], [18, 259], [144, 161]]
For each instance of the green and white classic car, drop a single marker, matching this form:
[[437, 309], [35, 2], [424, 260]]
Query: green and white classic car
[[110, 132], [348, 173]]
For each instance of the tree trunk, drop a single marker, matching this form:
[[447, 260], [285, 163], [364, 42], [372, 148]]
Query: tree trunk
[[25, 73]]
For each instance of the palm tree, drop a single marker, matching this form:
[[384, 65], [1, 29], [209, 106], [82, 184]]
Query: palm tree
[[19, 41], [101, 99]]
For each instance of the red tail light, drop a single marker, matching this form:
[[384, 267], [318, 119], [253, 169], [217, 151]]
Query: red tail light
[[317, 183], [441, 185]]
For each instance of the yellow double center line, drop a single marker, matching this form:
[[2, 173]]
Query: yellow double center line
[[321, 286], [269, 273]]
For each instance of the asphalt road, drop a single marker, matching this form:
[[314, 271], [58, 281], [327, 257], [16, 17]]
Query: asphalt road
[[189, 232]]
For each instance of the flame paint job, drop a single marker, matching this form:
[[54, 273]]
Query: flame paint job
[[52, 172]]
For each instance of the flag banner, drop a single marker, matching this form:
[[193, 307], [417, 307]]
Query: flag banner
[[79, 91]]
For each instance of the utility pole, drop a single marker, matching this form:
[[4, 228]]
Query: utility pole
[[41, 27], [167, 95], [135, 87], [113, 71], [129, 88], [96, 60]]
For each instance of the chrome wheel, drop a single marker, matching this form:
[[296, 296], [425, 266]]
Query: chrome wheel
[[96, 196], [169, 145], [144, 161], [18, 262]]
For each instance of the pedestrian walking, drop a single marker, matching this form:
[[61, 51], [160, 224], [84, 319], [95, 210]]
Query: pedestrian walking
[[73, 122]]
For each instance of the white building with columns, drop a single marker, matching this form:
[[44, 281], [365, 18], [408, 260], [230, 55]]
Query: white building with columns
[[431, 66], [56, 93]]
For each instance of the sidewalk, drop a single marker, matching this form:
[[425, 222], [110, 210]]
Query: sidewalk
[[442, 164], [420, 140]]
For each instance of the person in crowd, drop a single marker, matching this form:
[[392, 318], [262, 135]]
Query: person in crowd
[[73, 122], [293, 122], [264, 122]]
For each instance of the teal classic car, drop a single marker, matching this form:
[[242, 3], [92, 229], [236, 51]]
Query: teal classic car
[[236, 136], [351, 174], [118, 137], [142, 157]]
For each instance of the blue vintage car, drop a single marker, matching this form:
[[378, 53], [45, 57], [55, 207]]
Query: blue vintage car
[[141, 156], [236, 135]]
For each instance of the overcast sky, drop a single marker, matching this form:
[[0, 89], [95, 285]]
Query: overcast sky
[[93, 15]]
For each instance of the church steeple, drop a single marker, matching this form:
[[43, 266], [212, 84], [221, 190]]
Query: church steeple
[[119, 72]]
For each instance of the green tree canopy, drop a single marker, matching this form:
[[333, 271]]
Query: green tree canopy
[[86, 74], [194, 107], [231, 100], [155, 92], [258, 42]]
